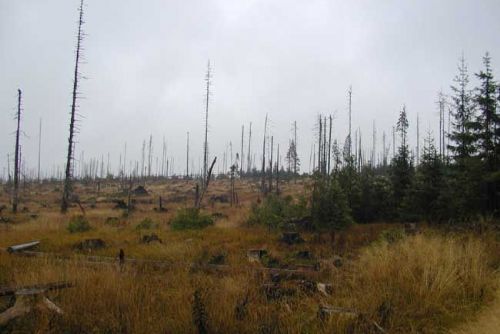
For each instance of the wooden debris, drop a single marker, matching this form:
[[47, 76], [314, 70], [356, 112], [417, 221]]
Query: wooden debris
[[29, 298], [255, 255], [23, 247], [9, 291], [325, 311], [325, 288]]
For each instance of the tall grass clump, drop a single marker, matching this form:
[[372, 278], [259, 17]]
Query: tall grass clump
[[78, 224], [146, 224], [422, 283], [190, 218]]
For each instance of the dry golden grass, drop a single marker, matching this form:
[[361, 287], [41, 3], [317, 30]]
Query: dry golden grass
[[422, 284]]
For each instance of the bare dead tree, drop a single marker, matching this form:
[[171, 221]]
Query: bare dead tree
[[150, 154], [162, 172], [39, 148], [69, 159], [271, 167], [205, 145], [17, 157], [125, 160], [249, 159], [374, 144], [187, 156], [329, 144], [384, 151], [418, 139], [241, 152], [325, 147], [350, 123], [143, 158], [320, 140], [9, 176], [263, 171], [278, 171], [295, 161], [393, 142]]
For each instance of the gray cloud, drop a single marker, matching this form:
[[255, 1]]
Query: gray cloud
[[146, 61]]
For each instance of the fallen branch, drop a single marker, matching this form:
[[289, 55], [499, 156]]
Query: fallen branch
[[37, 288]]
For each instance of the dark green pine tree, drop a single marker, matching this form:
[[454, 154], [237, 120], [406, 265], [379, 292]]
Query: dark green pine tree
[[487, 104], [429, 181], [488, 120], [329, 207], [401, 166], [462, 135]]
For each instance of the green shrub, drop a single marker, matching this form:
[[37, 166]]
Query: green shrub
[[78, 224], [146, 224], [190, 218], [276, 210]]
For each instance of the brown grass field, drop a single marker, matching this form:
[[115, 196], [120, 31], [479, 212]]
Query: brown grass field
[[431, 282]]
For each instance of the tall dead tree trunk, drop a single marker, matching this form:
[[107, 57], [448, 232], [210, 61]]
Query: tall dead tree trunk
[[249, 160], [324, 147], [143, 158], [263, 171], [150, 155], [418, 140], [329, 144], [350, 123], [320, 139], [17, 156], [295, 143], [374, 144], [241, 152], [278, 171], [271, 167], [187, 156], [69, 159], [125, 160], [393, 142], [205, 146], [39, 148]]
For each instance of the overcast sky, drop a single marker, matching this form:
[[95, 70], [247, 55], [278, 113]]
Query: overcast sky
[[146, 62]]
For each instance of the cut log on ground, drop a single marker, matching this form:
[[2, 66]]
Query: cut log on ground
[[23, 247]]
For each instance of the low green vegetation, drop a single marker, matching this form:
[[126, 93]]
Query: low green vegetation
[[276, 211], [78, 224], [146, 224], [190, 218]]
